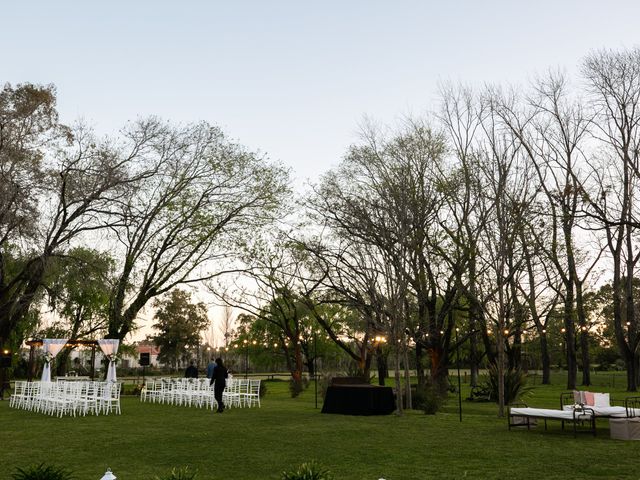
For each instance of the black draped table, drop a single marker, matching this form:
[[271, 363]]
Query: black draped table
[[359, 400]]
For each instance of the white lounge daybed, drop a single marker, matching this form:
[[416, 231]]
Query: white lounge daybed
[[523, 416]]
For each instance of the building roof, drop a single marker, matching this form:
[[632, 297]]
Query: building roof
[[150, 349]]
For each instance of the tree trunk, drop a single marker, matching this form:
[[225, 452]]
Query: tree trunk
[[630, 305], [407, 374], [500, 370], [474, 356], [546, 360], [569, 325], [584, 336], [399, 393], [381, 363], [419, 365], [439, 369]]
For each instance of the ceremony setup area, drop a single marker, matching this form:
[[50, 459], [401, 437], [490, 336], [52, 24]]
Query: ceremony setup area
[[69, 395], [80, 396], [62, 397], [149, 440]]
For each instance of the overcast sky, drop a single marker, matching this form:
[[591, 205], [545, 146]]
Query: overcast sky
[[292, 79]]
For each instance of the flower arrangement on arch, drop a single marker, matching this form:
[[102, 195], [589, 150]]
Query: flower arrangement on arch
[[114, 357], [47, 357]]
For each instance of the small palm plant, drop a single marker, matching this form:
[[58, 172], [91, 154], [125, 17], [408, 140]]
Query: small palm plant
[[308, 471], [515, 384], [42, 472], [179, 474]]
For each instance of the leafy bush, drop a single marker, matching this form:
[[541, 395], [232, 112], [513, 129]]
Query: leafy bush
[[297, 386], [42, 472], [263, 389], [179, 474], [308, 471], [428, 399], [323, 383], [515, 384], [132, 390]]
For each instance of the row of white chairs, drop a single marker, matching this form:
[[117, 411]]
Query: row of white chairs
[[67, 397], [197, 392]]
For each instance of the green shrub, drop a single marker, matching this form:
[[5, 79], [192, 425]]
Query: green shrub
[[132, 390], [428, 399], [263, 389], [297, 385], [308, 471], [323, 383], [42, 472], [179, 474], [515, 384]]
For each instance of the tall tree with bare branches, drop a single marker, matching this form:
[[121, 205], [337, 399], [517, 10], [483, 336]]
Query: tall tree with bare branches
[[613, 80]]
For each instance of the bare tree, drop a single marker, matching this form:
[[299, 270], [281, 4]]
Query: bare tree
[[385, 200], [272, 289], [552, 132], [614, 86], [461, 113], [508, 193], [227, 324]]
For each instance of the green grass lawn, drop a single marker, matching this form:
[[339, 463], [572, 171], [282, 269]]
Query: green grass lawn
[[150, 439]]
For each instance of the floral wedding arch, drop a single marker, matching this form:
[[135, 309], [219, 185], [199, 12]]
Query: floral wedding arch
[[52, 346]]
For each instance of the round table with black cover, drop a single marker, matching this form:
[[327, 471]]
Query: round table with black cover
[[359, 400]]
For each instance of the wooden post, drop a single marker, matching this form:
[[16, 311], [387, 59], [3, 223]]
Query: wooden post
[[31, 369]]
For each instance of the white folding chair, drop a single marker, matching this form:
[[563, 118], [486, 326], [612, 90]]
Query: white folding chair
[[252, 397], [110, 401], [18, 395], [231, 394]]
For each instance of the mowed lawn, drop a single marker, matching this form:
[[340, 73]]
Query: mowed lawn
[[148, 440]]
